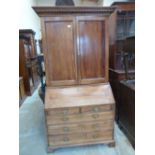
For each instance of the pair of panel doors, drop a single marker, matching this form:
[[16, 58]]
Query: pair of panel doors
[[76, 49]]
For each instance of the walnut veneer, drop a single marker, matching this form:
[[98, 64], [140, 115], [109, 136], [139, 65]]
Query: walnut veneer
[[76, 50]]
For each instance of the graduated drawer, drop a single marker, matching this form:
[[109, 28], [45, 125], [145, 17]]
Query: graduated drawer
[[80, 138], [81, 127], [63, 111], [97, 108], [76, 118]]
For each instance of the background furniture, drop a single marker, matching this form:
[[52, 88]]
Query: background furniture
[[31, 35], [22, 94], [33, 65], [40, 46], [42, 76], [127, 109], [121, 27], [27, 65], [76, 50]]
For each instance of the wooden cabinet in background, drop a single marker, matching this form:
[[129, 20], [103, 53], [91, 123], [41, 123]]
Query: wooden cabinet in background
[[27, 65], [30, 34], [122, 26], [78, 95], [127, 109], [22, 94], [122, 37]]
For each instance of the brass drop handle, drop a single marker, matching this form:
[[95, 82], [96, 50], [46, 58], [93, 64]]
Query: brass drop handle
[[66, 129], [95, 109], [95, 116], [66, 139]]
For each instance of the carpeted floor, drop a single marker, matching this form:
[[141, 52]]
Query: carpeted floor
[[32, 137]]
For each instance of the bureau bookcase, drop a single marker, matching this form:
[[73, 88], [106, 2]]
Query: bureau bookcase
[[78, 95]]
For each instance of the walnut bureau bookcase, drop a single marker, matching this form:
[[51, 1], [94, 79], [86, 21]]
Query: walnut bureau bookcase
[[79, 104]]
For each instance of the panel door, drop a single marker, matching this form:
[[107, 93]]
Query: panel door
[[59, 49], [92, 49]]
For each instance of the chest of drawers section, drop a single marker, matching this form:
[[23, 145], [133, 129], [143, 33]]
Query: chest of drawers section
[[90, 119]]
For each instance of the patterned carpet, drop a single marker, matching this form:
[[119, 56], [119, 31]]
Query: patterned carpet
[[32, 137]]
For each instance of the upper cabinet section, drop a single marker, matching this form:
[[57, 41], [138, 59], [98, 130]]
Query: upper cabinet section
[[75, 44]]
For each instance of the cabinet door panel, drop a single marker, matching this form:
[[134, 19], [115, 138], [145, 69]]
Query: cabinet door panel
[[60, 54], [92, 49]]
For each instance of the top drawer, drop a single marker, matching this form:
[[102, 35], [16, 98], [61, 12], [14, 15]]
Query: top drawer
[[97, 108], [63, 111], [76, 110]]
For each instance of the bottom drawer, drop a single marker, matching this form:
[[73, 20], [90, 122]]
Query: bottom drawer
[[80, 138]]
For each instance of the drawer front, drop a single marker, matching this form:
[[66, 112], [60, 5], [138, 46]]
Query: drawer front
[[76, 118], [63, 111], [81, 127], [98, 108], [80, 138]]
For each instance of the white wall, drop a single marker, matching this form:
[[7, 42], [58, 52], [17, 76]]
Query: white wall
[[45, 2], [28, 19], [77, 2], [52, 2], [109, 2]]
